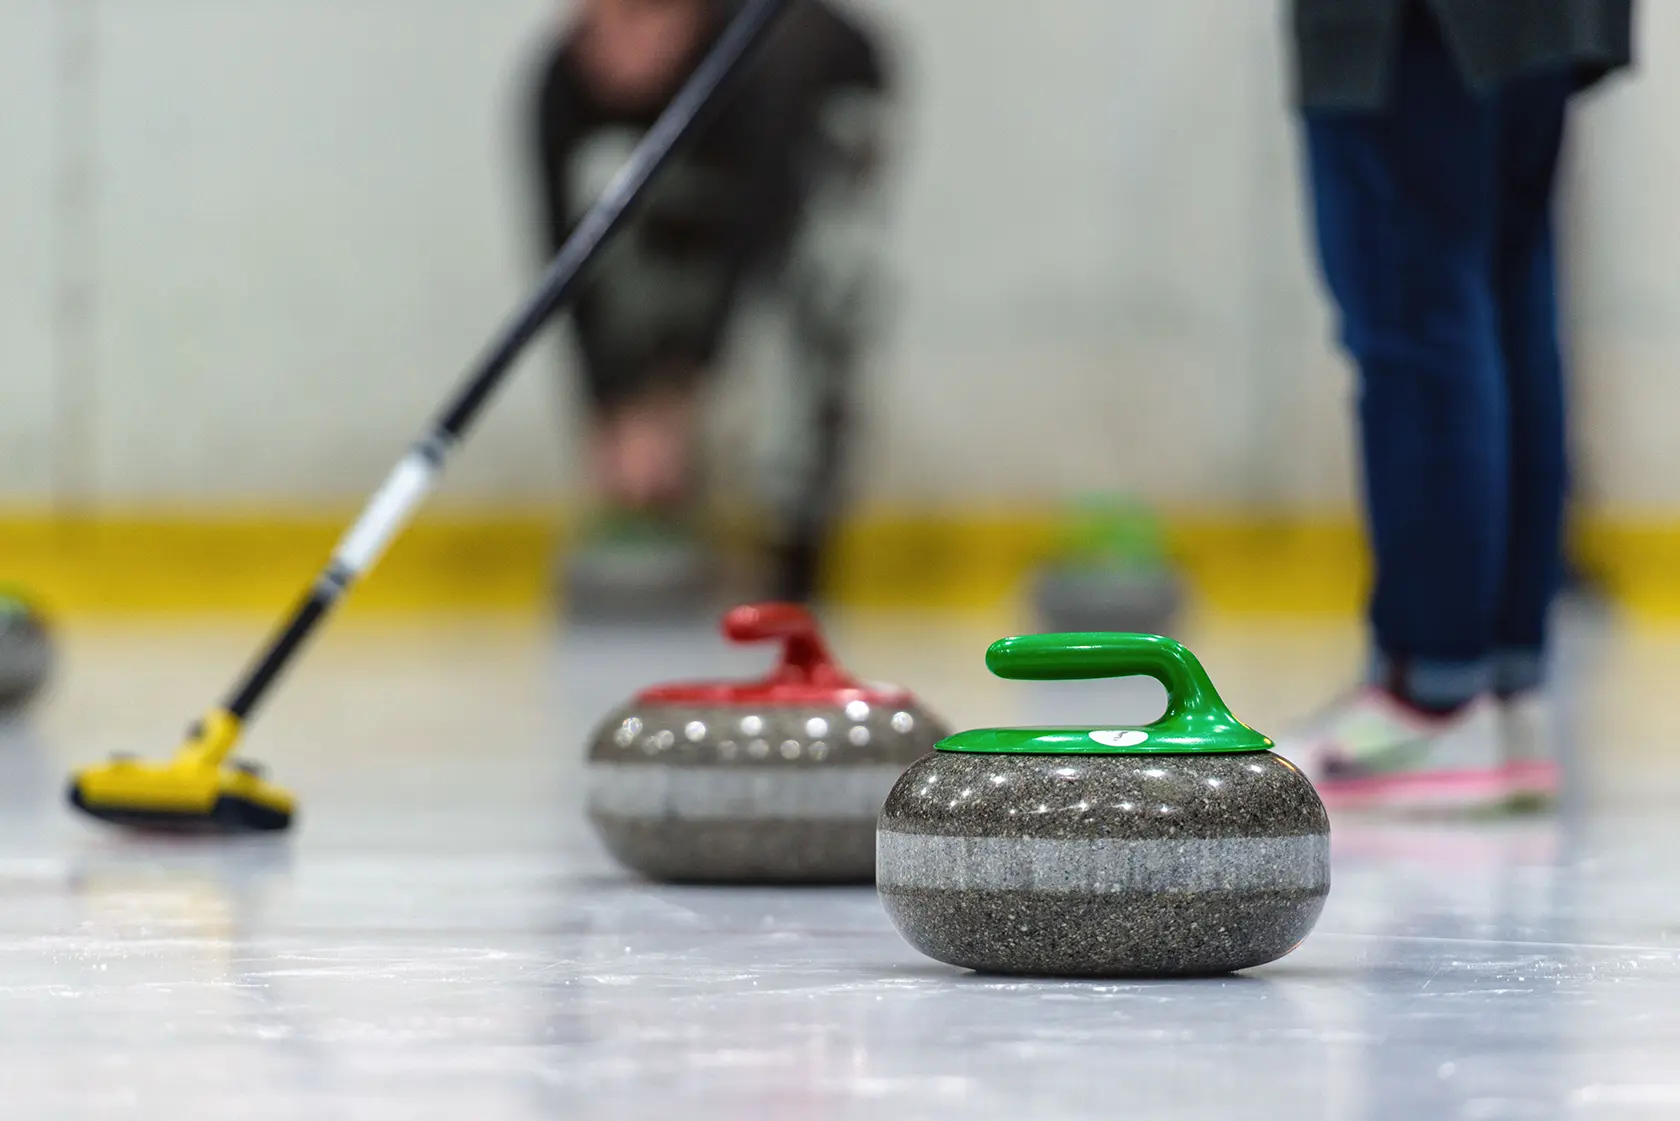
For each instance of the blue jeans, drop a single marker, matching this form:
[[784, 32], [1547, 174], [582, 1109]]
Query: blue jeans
[[1435, 238]]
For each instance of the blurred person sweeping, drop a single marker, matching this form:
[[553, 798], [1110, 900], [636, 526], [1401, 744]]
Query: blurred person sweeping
[[1433, 131], [771, 215]]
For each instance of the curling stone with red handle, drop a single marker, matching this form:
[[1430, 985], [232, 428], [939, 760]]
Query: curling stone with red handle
[[778, 780]]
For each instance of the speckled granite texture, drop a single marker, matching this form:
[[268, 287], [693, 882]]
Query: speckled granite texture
[[1103, 865], [772, 794], [742, 852]]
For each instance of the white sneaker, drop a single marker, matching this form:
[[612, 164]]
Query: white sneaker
[[1370, 751], [1528, 734]]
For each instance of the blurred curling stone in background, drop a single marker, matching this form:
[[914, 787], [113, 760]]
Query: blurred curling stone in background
[[26, 649], [1111, 571], [640, 567]]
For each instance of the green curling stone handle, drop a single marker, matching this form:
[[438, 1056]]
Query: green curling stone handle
[[1196, 719]]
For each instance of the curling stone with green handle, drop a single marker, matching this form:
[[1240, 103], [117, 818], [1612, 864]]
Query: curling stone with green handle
[[1180, 847]]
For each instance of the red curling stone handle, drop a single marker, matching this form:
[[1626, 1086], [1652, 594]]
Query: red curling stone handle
[[805, 657]]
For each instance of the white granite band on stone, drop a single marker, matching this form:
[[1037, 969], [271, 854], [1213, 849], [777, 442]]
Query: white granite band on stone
[[1101, 865], [740, 793]]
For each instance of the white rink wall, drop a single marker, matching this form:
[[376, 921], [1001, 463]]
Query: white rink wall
[[246, 247]]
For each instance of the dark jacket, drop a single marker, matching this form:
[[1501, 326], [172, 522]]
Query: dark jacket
[[1343, 47], [660, 300]]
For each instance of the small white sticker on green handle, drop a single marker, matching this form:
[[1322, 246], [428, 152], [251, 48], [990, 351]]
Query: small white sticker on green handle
[[1119, 737]]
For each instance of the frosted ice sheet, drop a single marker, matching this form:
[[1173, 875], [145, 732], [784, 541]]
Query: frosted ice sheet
[[443, 939]]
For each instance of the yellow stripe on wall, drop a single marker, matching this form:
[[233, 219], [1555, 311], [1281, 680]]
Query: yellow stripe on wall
[[1637, 559], [232, 561], [237, 562], [973, 560]]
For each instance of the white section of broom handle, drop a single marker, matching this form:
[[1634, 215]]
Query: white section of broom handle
[[386, 513]]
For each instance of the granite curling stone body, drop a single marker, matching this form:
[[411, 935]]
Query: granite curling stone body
[[26, 651], [1182, 847], [775, 781]]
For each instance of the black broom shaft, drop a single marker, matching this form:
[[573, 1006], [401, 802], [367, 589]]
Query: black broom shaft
[[408, 485], [651, 153]]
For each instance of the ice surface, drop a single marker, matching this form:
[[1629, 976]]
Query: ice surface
[[442, 938]]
